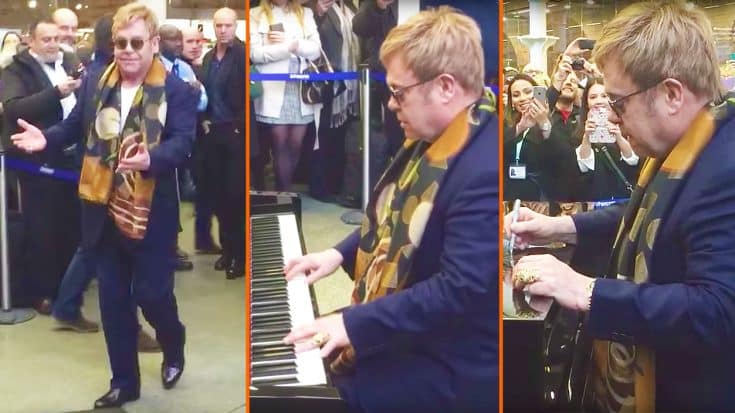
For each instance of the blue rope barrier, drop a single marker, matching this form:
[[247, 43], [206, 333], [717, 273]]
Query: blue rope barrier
[[64, 175], [311, 77]]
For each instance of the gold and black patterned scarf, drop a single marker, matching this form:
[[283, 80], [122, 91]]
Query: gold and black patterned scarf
[[399, 209], [623, 375], [128, 195]]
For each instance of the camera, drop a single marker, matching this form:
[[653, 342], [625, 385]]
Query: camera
[[578, 64]]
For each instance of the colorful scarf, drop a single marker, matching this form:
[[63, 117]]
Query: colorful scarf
[[399, 209], [128, 195], [623, 375]]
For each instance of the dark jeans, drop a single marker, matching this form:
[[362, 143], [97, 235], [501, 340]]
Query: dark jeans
[[131, 273], [224, 174], [69, 299]]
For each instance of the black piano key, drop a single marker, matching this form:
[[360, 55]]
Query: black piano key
[[261, 371], [263, 289], [275, 357], [284, 330], [275, 336], [273, 325], [273, 381], [269, 349], [281, 308]]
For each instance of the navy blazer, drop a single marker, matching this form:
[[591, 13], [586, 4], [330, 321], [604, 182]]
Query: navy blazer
[[686, 312], [434, 345], [176, 143]]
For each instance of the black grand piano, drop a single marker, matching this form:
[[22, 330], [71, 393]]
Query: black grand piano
[[545, 352], [280, 380]]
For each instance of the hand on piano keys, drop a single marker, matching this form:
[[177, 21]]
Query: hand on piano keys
[[332, 327], [315, 266]]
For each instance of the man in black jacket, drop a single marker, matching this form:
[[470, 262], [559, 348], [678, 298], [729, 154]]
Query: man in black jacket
[[371, 24], [223, 75], [37, 87]]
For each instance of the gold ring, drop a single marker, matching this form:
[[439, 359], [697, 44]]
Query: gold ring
[[320, 339], [527, 275]]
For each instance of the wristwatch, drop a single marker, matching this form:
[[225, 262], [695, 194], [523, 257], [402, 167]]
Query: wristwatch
[[546, 126]]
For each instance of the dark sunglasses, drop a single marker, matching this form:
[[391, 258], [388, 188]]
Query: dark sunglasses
[[122, 43], [398, 93]]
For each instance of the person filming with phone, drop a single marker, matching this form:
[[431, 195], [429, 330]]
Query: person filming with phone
[[605, 158], [536, 155], [283, 35]]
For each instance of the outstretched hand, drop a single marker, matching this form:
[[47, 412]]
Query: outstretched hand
[[30, 140]]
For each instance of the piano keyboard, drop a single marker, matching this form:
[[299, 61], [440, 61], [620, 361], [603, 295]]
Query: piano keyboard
[[278, 305]]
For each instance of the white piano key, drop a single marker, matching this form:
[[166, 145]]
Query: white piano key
[[309, 364]]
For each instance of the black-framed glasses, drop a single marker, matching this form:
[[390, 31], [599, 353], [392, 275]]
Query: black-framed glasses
[[618, 105], [136, 43], [398, 93]]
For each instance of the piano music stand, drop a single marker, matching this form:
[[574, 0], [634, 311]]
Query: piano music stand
[[8, 315]]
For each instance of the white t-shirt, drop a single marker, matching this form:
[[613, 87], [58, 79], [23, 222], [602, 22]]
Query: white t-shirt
[[127, 94]]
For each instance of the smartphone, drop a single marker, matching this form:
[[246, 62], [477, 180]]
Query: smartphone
[[601, 134], [277, 27], [77, 73], [539, 93], [586, 44]]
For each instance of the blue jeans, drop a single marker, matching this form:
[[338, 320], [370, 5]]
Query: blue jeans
[[79, 273]]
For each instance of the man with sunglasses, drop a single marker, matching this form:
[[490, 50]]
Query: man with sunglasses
[[421, 335], [139, 125], [661, 317], [38, 86]]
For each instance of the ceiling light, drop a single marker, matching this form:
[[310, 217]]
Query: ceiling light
[[31, 4]]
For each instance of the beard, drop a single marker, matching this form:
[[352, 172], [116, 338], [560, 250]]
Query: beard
[[565, 100]]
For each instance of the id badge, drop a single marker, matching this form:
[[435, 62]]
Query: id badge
[[517, 172]]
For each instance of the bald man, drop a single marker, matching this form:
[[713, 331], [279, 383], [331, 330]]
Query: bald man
[[67, 22], [223, 70]]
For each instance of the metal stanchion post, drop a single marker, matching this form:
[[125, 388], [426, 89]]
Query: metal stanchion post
[[355, 217], [8, 315]]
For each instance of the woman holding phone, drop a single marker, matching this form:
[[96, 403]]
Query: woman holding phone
[[607, 162], [533, 156], [283, 34]]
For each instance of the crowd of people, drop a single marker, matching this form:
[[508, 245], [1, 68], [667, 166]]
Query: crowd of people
[[131, 119], [558, 143], [321, 138]]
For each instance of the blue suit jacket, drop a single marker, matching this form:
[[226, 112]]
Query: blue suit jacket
[[686, 313], [433, 347], [176, 142]]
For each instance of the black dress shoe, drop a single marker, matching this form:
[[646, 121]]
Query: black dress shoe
[[170, 373], [222, 263], [116, 397], [236, 270]]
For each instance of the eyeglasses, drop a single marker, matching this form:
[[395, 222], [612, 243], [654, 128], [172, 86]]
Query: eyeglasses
[[136, 43], [398, 93], [618, 106]]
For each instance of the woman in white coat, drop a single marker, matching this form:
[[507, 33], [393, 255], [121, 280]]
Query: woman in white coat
[[283, 34]]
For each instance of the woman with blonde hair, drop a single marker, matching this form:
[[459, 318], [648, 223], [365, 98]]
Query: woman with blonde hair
[[283, 34]]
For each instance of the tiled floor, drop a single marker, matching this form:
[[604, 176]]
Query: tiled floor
[[47, 371]]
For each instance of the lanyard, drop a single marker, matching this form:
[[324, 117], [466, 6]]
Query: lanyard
[[519, 145]]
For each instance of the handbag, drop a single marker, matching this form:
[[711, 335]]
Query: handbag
[[316, 91]]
